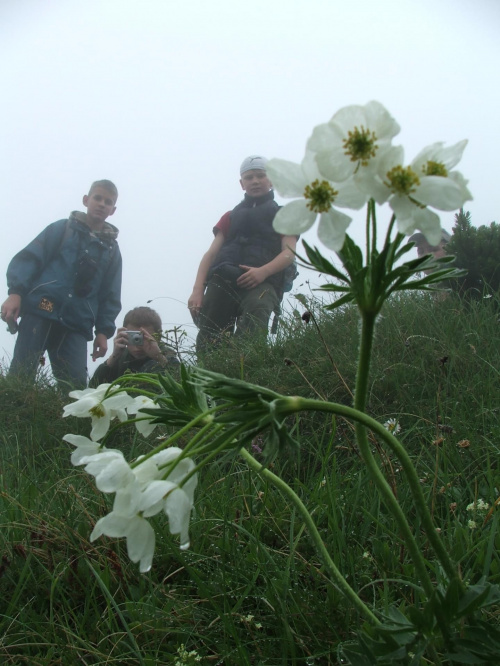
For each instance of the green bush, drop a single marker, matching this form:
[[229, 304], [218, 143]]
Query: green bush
[[477, 249]]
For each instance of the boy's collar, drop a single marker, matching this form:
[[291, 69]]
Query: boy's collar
[[108, 230], [256, 201]]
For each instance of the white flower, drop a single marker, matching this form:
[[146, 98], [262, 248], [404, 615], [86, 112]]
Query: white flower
[[85, 448], [392, 426], [138, 532], [93, 403], [140, 496], [351, 145], [317, 197], [428, 181], [480, 506], [177, 502], [110, 469], [472, 524], [145, 427]]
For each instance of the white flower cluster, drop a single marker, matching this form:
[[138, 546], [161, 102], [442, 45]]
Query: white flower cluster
[[479, 506], [148, 487], [350, 160]]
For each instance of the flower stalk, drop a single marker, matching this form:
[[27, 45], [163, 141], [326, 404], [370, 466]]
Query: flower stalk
[[335, 574]]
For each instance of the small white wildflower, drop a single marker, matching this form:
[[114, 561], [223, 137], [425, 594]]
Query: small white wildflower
[[392, 425], [472, 524], [480, 506]]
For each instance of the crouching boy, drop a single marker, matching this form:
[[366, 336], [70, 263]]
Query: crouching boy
[[137, 348], [63, 285]]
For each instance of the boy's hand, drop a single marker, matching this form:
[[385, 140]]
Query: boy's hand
[[150, 346], [11, 309], [194, 305], [252, 277], [100, 346], [119, 344]]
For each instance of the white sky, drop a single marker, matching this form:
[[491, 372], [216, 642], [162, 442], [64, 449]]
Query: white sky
[[166, 98]]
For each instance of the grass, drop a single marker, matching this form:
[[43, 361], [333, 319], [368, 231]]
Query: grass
[[251, 590]]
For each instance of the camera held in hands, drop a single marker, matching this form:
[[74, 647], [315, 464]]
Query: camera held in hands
[[135, 338]]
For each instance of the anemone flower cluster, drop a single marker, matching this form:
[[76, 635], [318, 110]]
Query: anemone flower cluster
[[161, 482], [350, 160]]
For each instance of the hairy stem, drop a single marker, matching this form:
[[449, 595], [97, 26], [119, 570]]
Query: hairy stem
[[337, 577]]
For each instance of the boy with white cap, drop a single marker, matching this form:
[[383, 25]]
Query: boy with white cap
[[240, 277]]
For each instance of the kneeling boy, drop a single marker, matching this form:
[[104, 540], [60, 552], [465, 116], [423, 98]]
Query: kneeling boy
[[150, 355]]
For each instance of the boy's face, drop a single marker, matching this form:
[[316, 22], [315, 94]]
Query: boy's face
[[100, 204], [255, 182], [424, 248]]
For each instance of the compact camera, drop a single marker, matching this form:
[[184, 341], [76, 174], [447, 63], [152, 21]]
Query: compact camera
[[135, 338]]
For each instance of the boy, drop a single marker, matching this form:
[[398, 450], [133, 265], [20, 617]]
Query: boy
[[423, 247], [150, 356], [242, 270], [63, 284]]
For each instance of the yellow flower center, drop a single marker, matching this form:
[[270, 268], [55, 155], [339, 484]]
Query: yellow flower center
[[432, 168], [402, 180], [360, 145], [97, 411], [321, 196]]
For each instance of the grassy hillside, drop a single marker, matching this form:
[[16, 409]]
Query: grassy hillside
[[251, 589]]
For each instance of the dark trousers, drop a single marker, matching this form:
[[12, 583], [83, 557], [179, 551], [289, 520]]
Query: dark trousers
[[225, 306], [67, 350]]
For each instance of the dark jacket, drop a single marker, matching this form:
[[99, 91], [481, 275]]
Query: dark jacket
[[251, 240], [106, 374], [71, 275]]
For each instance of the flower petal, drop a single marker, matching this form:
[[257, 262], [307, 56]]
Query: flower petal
[[178, 510], [334, 165], [294, 218], [152, 498], [127, 500], [439, 192], [450, 156], [100, 426], [141, 543], [287, 177], [85, 447], [111, 525], [114, 476], [332, 228], [325, 137]]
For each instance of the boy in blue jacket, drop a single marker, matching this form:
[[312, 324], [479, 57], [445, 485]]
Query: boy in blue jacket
[[63, 285]]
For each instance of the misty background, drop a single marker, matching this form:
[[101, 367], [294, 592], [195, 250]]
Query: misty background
[[166, 99]]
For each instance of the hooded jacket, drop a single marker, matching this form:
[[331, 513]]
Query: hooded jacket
[[72, 275]]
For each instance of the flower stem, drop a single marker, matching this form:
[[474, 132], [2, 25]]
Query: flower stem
[[371, 205], [389, 230], [307, 404], [360, 395], [339, 580]]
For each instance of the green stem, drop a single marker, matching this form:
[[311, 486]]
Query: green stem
[[339, 580], [172, 439], [368, 218], [403, 457], [374, 224], [389, 230], [297, 404], [360, 396], [227, 439]]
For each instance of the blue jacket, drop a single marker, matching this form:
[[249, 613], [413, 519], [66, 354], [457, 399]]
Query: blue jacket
[[70, 275]]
